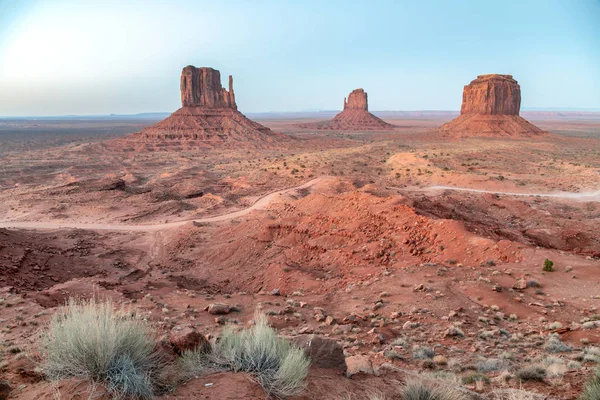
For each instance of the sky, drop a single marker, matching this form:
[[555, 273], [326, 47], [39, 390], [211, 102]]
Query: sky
[[84, 57]]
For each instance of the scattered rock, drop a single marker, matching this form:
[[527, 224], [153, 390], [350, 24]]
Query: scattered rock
[[219, 308], [323, 352], [358, 364], [185, 337]]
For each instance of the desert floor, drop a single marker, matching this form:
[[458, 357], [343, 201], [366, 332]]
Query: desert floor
[[399, 236]]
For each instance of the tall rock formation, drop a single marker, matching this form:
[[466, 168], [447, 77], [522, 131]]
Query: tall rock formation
[[354, 117], [357, 100], [208, 117], [201, 87], [490, 107]]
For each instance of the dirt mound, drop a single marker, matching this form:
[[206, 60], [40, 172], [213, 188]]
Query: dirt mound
[[342, 236], [490, 107], [208, 118], [355, 116]]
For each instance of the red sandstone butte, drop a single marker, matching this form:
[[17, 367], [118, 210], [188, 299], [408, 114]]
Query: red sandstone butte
[[354, 117], [208, 117], [490, 107]]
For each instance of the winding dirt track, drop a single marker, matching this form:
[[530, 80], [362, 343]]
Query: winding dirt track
[[260, 204], [584, 196]]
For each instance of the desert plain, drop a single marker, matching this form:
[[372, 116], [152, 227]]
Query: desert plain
[[404, 250]]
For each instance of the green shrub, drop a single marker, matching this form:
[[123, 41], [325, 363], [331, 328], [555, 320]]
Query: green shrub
[[548, 265], [277, 365], [416, 389], [88, 339], [591, 390]]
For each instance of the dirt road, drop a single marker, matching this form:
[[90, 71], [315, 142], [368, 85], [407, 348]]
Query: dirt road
[[585, 196], [260, 204]]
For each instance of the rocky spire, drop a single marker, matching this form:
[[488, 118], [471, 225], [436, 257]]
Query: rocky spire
[[357, 100], [201, 87]]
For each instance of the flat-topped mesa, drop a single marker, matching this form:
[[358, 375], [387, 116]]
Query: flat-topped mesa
[[490, 107], [201, 87], [357, 100], [493, 94]]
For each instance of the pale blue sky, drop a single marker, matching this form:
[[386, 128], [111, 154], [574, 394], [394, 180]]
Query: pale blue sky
[[99, 57]]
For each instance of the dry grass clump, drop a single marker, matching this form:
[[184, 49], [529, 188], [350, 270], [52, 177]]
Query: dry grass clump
[[515, 394], [88, 339], [416, 389], [591, 390], [277, 365], [422, 353], [531, 373], [555, 345]]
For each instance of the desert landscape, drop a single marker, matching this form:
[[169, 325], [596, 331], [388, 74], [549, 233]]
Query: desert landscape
[[424, 251], [269, 200]]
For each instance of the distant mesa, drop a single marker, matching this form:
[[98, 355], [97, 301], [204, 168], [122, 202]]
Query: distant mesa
[[208, 117], [354, 117], [490, 107]]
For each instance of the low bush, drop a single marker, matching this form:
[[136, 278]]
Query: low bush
[[531, 373], [88, 339], [416, 389], [422, 353], [277, 365], [548, 265], [555, 345]]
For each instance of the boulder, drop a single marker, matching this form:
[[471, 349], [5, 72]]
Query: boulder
[[323, 352], [186, 337], [219, 308], [358, 365]]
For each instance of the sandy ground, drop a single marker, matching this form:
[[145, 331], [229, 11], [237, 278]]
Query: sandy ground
[[397, 236]]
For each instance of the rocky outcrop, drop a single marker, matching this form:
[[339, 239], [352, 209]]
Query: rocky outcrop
[[357, 100], [354, 117], [492, 94], [208, 118], [490, 107], [201, 87]]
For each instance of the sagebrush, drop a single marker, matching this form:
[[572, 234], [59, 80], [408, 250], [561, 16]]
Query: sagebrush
[[89, 339], [277, 365]]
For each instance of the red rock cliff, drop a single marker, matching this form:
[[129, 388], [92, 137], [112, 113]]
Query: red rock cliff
[[492, 94], [201, 87], [357, 100]]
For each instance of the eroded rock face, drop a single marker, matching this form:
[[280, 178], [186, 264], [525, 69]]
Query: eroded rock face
[[208, 118], [354, 117], [201, 87], [357, 100], [492, 94], [490, 107]]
